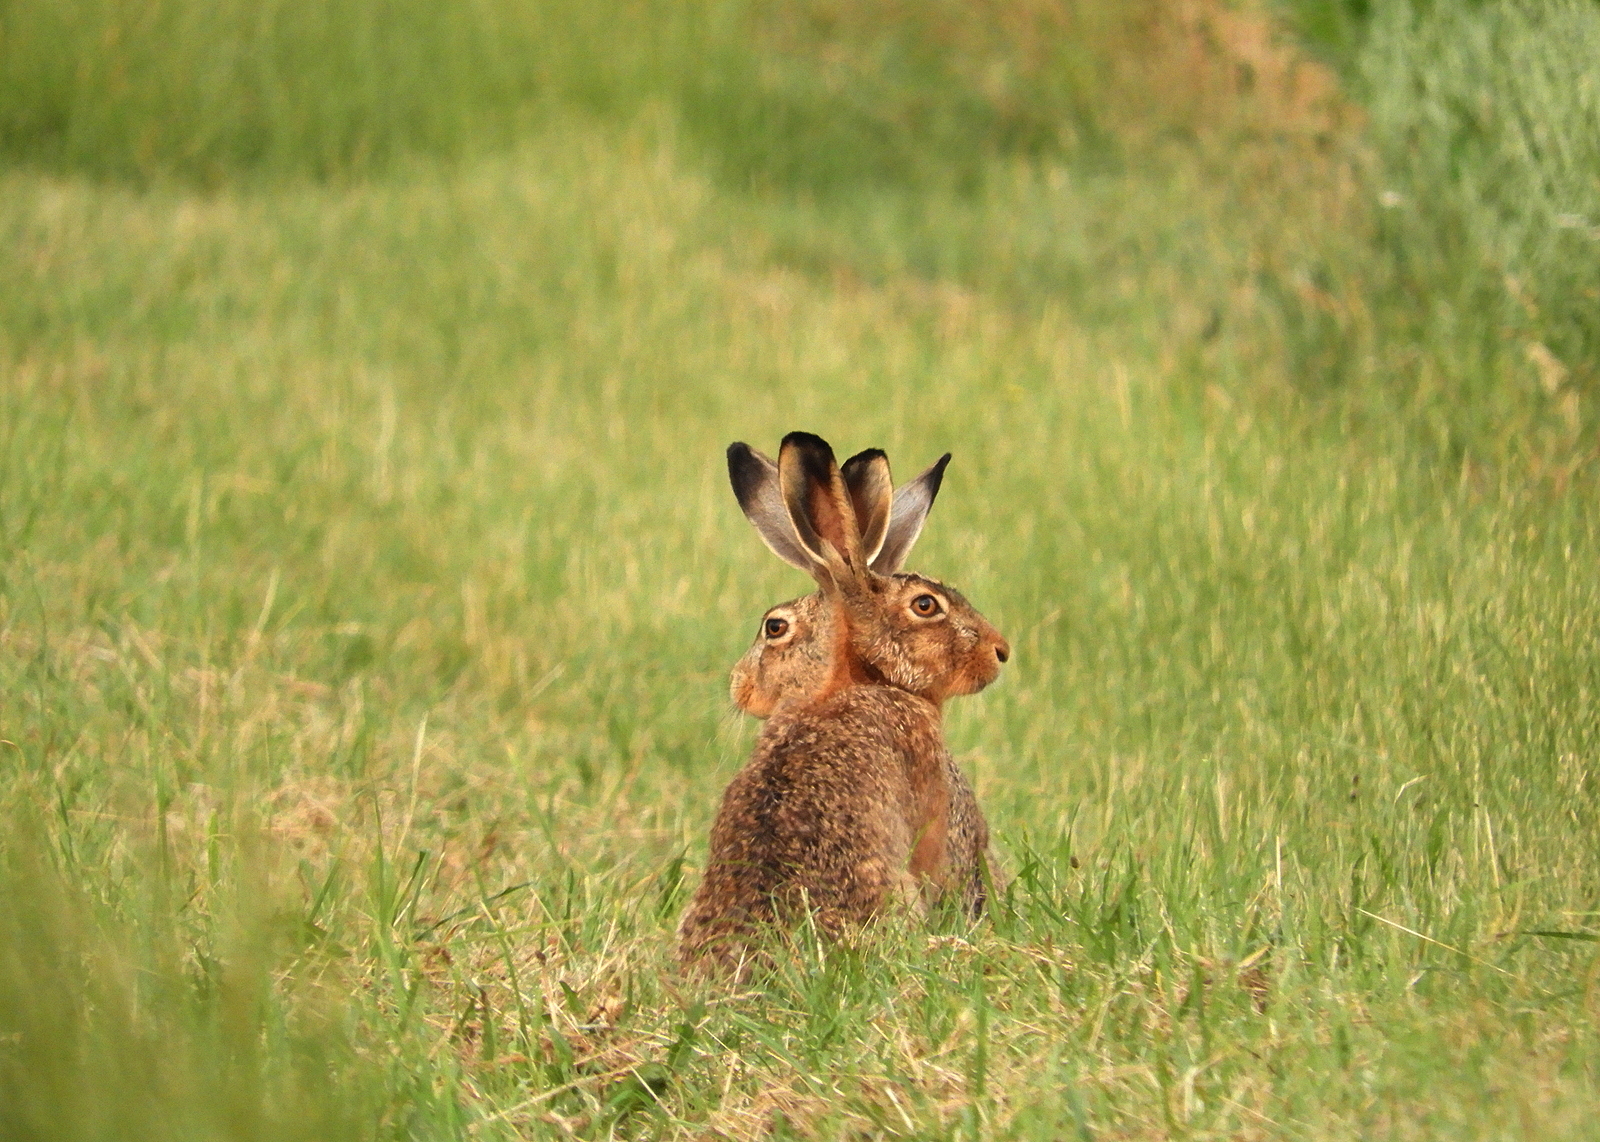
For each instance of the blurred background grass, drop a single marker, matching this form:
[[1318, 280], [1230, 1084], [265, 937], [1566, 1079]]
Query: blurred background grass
[[1479, 140], [368, 576]]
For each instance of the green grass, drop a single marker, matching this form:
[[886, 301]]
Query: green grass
[[1483, 128], [1491, 126], [209, 92], [369, 578], [814, 95]]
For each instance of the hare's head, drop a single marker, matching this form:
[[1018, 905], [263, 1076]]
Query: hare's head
[[789, 659], [851, 530]]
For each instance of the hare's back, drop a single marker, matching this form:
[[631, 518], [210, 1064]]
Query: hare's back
[[835, 767]]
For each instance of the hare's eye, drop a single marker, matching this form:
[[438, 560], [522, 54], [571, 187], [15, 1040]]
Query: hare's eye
[[925, 605], [775, 628]]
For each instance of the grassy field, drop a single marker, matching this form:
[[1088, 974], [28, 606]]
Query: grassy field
[[369, 575]]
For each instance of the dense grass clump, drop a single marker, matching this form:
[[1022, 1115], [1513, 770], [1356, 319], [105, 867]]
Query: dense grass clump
[[171, 1027], [1487, 122], [369, 578]]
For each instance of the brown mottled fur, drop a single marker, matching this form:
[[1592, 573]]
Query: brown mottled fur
[[826, 815], [845, 804], [789, 667]]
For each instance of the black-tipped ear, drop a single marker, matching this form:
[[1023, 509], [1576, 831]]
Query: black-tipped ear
[[906, 517], [755, 485], [819, 506], [866, 476]]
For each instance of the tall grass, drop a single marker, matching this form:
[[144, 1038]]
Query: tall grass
[[1488, 124], [809, 95], [823, 98], [368, 581], [188, 1022], [813, 97], [1479, 275], [211, 91]]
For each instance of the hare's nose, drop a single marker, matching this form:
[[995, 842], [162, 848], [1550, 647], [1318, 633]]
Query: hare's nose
[[1002, 650]]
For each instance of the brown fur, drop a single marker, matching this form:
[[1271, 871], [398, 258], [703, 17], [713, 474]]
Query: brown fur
[[826, 816], [791, 667], [846, 801]]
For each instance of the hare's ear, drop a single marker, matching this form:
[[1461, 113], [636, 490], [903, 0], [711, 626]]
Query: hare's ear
[[818, 503], [906, 516], [755, 484], [866, 476]]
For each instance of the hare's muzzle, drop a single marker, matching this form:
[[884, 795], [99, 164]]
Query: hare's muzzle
[[993, 643], [983, 661]]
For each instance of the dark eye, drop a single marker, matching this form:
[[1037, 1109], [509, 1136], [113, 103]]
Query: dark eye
[[925, 605], [775, 628]]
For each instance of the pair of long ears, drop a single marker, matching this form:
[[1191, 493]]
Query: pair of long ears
[[815, 515]]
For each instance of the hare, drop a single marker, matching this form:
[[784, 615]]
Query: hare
[[790, 655], [786, 664], [845, 804]]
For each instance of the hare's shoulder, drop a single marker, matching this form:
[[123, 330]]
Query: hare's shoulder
[[858, 722], [906, 720], [879, 704], [834, 768]]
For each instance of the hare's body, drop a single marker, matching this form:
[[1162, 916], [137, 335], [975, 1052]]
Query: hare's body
[[971, 868], [842, 810], [790, 667], [846, 804]]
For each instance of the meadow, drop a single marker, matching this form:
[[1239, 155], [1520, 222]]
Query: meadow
[[369, 575]]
